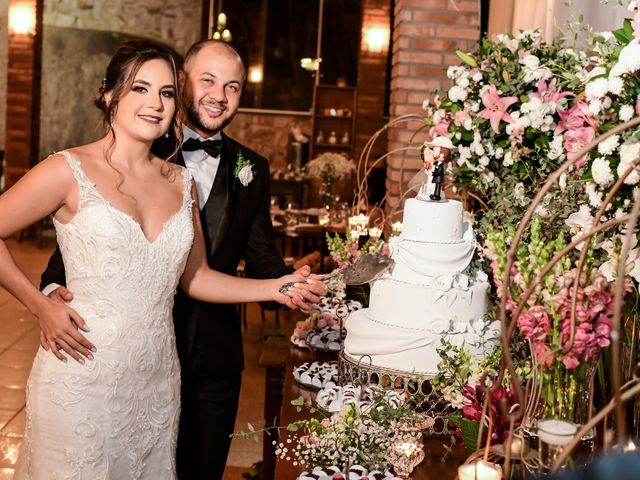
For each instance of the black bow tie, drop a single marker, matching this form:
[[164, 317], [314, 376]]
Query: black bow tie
[[212, 147]]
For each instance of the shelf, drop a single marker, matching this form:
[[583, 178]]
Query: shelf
[[333, 117], [333, 99], [333, 145]]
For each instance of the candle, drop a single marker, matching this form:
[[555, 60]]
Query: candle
[[516, 447], [226, 35], [375, 233], [396, 228], [323, 219], [556, 432], [407, 448], [479, 471], [358, 225]]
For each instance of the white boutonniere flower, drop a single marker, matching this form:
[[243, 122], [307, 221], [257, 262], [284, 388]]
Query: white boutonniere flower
[[244, 170]]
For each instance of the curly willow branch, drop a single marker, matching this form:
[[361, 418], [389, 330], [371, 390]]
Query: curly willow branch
[[502, 313], [364, 168]]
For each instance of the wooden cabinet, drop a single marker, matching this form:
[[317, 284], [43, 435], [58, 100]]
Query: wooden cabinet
[[333, 120]]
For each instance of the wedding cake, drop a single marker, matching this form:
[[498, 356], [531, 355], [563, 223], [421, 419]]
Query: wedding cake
[[429, 294]]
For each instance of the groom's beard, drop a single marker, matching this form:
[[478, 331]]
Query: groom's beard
[[191, 110]]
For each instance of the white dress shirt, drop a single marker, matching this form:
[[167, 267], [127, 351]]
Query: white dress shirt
[[202, 166]]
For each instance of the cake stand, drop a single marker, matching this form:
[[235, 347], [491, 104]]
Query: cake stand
[[416, 388]]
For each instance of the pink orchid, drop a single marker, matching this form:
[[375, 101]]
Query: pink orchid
[[635, 23], [575, 140], [496, 107]]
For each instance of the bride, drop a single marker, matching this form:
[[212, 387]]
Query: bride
[[129, 230]]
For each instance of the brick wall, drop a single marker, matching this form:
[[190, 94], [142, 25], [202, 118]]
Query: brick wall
[[426, 34], [21, 130], [4, 11]]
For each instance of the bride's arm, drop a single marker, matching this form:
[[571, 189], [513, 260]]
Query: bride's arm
[[200, 282], [45, 189]]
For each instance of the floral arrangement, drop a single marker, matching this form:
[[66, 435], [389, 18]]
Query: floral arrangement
[[546, 319], [349, 437], [459, 381], [345, 252], [330, 167], [518, 108], [468, 423]]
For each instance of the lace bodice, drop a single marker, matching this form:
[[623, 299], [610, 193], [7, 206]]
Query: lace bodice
[[115, 417]]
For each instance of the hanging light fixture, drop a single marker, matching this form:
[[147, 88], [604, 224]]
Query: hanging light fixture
[[22, 19], [221, 31]]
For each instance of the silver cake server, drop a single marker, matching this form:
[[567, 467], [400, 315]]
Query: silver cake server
[[368, 268]]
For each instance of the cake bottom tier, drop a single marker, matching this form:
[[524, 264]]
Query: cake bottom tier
[[408, 350]]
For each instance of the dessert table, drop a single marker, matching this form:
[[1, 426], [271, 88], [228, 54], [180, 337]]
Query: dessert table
[[435, 446]]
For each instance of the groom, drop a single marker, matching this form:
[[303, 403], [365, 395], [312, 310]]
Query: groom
[[236, 224]]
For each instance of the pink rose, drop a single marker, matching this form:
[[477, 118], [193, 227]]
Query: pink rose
[[575, 140]]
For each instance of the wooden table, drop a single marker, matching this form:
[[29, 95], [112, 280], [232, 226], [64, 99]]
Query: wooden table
[[431, 468]]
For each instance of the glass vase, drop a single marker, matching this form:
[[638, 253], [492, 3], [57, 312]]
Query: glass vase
[[562, 394]]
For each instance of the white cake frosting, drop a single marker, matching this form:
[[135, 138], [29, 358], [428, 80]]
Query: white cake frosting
[[429, 294]]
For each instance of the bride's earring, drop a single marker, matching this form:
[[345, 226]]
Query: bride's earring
[[166, 135]]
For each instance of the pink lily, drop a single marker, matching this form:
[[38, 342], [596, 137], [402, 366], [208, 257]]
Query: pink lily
[[635, 23], [496, 107], [575, 117]]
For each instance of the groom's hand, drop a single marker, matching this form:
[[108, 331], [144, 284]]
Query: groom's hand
[[82, 346]]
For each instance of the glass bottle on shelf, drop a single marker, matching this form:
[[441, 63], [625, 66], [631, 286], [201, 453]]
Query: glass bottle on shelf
[[320, 137], [345, 138], [332, 138]]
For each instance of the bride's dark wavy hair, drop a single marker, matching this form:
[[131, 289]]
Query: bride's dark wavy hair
[[118, 80]]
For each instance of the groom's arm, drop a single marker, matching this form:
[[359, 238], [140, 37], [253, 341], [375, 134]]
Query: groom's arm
[[54, 275], [262, 257]]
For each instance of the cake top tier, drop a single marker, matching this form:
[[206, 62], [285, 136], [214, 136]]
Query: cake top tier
[[435, 222]]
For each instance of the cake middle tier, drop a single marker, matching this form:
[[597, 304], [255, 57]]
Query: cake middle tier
[[437, 308]]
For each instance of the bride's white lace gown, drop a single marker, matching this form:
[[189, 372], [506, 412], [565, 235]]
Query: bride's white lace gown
[[116, 417]]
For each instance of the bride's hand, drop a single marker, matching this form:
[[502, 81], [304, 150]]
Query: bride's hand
[[299, 289], [59, 326]]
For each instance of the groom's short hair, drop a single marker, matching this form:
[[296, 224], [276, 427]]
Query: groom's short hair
[[196, 47]]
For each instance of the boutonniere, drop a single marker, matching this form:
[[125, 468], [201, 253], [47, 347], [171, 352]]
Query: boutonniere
[[243, 170]]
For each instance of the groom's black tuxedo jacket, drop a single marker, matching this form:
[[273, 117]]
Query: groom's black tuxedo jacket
[[236, 224]]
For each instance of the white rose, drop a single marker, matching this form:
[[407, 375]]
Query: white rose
[[601, 171], [530, 61], [507, 161], [457, 94], [443, 282], [628, 153], [626, 113], [245, 175], [462, 281], [628, 59]]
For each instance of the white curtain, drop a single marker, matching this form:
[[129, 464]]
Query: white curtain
[[551, 16]]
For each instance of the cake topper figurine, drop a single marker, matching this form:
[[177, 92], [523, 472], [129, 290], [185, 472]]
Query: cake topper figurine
[[428, 181], [435, 154]]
